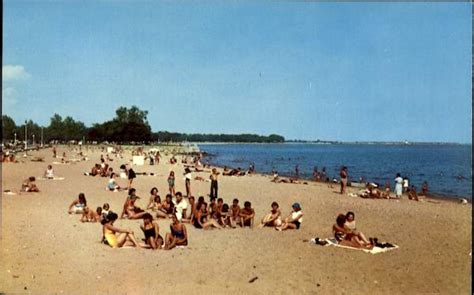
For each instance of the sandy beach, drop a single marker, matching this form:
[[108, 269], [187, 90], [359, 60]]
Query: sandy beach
[[46, 250]]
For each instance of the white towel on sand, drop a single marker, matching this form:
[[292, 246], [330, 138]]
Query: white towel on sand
[[374, 250]]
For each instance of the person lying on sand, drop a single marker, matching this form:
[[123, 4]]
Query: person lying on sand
[[124, 237], [247, 215], [91, 216], [178, 235], [294, 220], [78, 205], [346, 238], [94, 170], [289, 180], [29, 185], [152, 232], [273, 218], [201, 219]]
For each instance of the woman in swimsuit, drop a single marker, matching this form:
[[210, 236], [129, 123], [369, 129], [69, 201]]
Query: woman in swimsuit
[[345, 237], [273, 218], [124, 237], [178, 235], [152, 232], [155, 200], [201, 220], [171, 183], [294, 220], [78, 205]]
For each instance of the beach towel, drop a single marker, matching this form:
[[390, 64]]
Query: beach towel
[[45, 178], [374, 250], [7, 192]]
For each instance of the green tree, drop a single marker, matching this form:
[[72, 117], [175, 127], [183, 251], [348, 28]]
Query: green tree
[[8, 128]]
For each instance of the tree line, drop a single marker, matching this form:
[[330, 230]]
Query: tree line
[[130, 125]]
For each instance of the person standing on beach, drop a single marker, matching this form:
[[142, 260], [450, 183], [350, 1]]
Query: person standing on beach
[[398, 185], [187, 180], [213, 178], [297, 172], [343, 175]]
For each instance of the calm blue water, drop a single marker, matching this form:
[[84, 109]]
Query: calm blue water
[[447, 168]]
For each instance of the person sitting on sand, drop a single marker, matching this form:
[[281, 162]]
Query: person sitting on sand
[[247, 215], [225, 217], [235, 212], [29, 185], [152, 232], [201, 219], [294, 220], [78, 205], [180, 206], [275, 178], [192, 209], [91, 216], [124, 237], [49, 173], [167, 207], [343, 238], [351, 231], [155, 200], [412, 195], [105, 210], [212, 208], [112, 185], [273, 218], [129, 208], [178, 235]]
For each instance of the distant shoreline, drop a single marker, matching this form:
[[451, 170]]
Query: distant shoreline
[[337, 143]]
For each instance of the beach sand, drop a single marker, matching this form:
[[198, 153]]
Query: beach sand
[[46, 250]]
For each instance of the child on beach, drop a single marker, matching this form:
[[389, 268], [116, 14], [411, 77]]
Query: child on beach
[[124, 237], [112, 185], [29, 185], [294, 220], [49, 173], [171, 183], [152, 232], [105, 210], [273, 218], [91, 216], [78, 205], [178, 235], [412, 195], [247, 215]]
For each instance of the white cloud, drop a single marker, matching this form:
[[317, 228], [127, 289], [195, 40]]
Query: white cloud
[[9, 97], [14, 72]]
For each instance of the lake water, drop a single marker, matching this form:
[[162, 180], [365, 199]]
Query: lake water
[[447, 168]]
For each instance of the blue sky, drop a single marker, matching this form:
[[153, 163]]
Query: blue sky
[[305, 70]]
